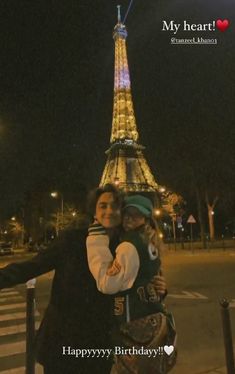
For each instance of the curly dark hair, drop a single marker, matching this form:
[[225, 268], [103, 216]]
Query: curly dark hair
[[97, 192]]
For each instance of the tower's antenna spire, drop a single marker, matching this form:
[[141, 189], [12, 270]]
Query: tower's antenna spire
[[119, 13]]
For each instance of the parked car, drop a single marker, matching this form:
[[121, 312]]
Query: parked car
[[6, 248], [36, 247]]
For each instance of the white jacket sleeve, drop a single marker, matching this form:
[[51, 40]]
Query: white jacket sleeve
[[112, 275]]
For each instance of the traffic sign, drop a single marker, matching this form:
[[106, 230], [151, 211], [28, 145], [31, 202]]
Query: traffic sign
[[191, 219]]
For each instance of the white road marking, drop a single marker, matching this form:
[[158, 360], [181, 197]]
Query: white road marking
[[15, 298], [199, 295], [10, 293], [10, 302], [21, 370], [12, 349], [9, 330], [188, 295], [13, 306], [13, 316]]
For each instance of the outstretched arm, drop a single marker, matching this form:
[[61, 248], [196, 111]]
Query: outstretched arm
[[43, 262]]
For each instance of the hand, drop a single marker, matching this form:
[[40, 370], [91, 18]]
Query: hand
[[159, 284]]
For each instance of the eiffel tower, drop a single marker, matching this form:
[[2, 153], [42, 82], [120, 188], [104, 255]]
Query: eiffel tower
[[126, 165]]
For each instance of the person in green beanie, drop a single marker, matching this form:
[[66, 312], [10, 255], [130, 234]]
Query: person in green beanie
[[138, 241]]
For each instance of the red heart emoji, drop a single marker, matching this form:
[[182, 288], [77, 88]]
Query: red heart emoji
[[222, 25]]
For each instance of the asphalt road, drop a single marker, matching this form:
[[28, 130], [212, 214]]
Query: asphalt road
[[196, 282]]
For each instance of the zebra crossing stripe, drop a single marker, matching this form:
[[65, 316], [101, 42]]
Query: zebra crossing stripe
[[21, 370], [10, 293], [7, 299], [13, 316], [11, 349], [11, 306], [15, 329]]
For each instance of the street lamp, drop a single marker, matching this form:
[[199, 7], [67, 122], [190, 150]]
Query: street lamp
[[173, 217], [55, 195], [162, 189], [157, 212]]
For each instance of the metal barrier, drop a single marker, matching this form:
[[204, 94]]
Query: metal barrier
[[227, 332], [30, 327]]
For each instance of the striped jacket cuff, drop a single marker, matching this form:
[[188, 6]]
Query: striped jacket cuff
[[96, 229]]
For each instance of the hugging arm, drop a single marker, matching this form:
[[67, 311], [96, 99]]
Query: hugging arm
[[112, 275], [159, 284]]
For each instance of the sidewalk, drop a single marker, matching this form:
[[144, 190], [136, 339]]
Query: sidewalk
[[221, 245], [197, 252], [222, 370]]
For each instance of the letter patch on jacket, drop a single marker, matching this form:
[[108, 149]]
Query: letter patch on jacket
[[119, 305]]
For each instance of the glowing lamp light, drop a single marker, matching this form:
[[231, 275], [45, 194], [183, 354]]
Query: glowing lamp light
[[54, 194], [157, 212], [160, 235], [116, 182]]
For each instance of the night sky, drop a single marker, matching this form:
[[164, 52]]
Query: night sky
[[56, 90]]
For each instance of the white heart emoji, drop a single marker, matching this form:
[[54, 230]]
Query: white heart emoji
[[168, 349]]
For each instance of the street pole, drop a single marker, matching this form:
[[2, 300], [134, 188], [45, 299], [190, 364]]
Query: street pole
[[192, 221], [174, 232], [23, 226], [57, 224], [227, 332], [191, 236], [30, 327], [56, 194], [62, 210]]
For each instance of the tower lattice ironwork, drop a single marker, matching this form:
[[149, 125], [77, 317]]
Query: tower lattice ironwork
[[126, 165]]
